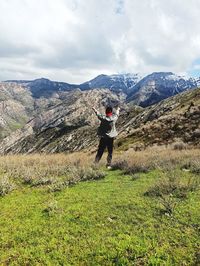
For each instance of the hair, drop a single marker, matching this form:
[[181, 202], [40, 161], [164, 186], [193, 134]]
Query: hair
[[109, 109]]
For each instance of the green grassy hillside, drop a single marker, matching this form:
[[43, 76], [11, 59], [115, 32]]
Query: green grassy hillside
[[149, 216]]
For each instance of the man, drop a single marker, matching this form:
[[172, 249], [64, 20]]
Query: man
[[107, 132]]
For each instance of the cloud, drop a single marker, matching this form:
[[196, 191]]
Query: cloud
[[73, 40]]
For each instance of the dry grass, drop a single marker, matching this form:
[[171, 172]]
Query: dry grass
[[158, 157], [174, 183], [60, 170], [55, 171]]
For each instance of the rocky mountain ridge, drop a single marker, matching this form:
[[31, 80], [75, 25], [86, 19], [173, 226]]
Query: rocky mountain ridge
[[71, 126], [158, 86], [24, 101], [67, 126], [173, 120]]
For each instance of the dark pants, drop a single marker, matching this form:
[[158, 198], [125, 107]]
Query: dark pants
[[103, 144]]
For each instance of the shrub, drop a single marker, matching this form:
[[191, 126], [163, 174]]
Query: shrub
[[133, 169], [6, 186], [85, 174], [41, 181], [170, 188], [51, 208], [120, 165], [58, 186], [180, 146], [192, 165]]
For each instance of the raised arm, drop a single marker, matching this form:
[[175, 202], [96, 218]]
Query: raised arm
[[117, 111], [97, 113], [116, 115], [95, 110]]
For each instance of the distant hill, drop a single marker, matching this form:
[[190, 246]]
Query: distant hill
[[44, 87]]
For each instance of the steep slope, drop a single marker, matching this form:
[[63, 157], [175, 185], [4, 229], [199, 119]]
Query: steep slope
[[16, 107], [176, 119], [18, 104], [70, 125], [158, 86], [22, 100]]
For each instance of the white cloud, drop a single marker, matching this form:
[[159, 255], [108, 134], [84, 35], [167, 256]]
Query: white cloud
[[74, 40]]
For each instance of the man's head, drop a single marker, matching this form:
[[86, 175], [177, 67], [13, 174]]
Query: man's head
[[109, 111]]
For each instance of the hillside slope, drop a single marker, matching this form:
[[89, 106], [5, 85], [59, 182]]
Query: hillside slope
[[16, 107], [34, 101], [174, 119], [70, 125]]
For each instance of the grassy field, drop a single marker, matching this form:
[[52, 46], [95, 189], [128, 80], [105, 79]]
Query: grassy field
[[146, 213]]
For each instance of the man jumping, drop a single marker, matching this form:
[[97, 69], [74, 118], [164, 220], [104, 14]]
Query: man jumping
[[107, 132]]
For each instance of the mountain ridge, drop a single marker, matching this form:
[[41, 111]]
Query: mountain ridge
[[62, 129], [22, 101]]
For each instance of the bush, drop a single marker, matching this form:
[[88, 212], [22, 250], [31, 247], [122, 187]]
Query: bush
[[170, 188], [76, 175], [193, 166], [84, 174], [133, 169], [180, 146], [6, 186], [58, 186], [41, 181], [120, 165], [52, 208]]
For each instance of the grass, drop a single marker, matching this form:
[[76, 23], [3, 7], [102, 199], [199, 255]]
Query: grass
[[110, 221]]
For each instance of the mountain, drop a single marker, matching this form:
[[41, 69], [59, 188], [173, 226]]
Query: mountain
[[44, 87], [71, 126], [22, 101], [16, 107], [18, 104], [141, 91], [175, 119], [158, 86], [117, 83]]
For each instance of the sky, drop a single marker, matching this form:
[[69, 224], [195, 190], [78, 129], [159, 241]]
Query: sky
[[76, 40]]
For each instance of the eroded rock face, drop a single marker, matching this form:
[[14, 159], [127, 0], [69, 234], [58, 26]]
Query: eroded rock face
[[16, 106], [70, 125]]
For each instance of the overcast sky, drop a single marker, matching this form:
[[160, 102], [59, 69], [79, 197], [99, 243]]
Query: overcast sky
[[75, 40]]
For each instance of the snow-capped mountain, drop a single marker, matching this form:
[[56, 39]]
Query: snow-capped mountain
[[117, 82], [158, 86], [141, 91]]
